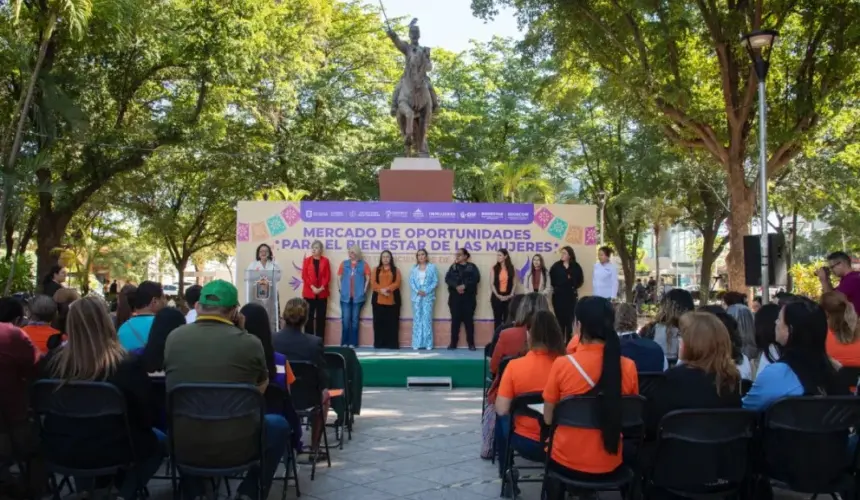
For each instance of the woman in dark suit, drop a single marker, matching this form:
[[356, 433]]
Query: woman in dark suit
[[316, 275], [566, 278]]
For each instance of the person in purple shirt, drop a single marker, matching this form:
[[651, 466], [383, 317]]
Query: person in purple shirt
[[839, 264]]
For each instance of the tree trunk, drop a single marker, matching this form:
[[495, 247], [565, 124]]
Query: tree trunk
[[792, 245], [659, 289], [52, 228], [180, 269], [628, 266], [22, 117], [709, 237], [741, 201]]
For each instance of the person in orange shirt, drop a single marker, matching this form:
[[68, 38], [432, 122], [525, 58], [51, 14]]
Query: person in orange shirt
[[385, 283], [843, 335], [504, 283], [527, 374], [512, 342], [596, 366], [43, 312]]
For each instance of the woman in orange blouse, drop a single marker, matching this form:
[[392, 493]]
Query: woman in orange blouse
[[843, 335], [596, 366], [504, 282], [385, 282]]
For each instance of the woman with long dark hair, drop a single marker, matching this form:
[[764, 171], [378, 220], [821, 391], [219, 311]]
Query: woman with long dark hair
[[123, 305], [266, 273], [804, 369], [765, 335], [566, 278], [537, 277], [53, 281], [596, 367], [166, 320], [385, 283], [504, 283], [258, 324]]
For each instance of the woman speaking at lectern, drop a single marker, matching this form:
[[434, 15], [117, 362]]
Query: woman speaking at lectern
[[261, 277]]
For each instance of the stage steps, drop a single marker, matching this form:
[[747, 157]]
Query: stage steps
[[429, 383]]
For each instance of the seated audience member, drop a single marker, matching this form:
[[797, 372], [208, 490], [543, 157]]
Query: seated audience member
[[164, 323], [741, 360], [11, 311], [664, 330], [512, 342], [93, 352], [596, 367], [705, 377], [756, 304], [147, 300], [217, 349], [296, 345], [843, 336], [524, 375], [804, 369], [734, 298], [746, 329], [646, 353], [513, 306], [765, 336], [192, 295], [123, 307], [64, 298], [18, 434], [43, 312]]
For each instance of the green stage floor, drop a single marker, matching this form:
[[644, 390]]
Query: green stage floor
[[389, 368]]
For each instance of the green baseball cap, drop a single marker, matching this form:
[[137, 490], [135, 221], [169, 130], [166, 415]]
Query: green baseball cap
[[219, 293]]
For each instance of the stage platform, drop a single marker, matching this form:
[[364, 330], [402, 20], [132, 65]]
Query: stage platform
[[389, 368]]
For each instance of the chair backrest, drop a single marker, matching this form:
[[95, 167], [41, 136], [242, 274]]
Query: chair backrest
[[336, 366], [520, 405], [215, 402], [649, 383], [850, 376], [805, 439], [745, 386], [582, 412], [711, 446], [306, 391], [504, 364], [77, 399]]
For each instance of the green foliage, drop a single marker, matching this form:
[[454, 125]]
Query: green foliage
[[805, 281], [22, 280]]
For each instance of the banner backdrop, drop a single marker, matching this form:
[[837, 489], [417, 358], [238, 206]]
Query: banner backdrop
[[403, 228]]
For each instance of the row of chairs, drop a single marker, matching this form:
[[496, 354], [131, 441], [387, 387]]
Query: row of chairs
[[800, 443]]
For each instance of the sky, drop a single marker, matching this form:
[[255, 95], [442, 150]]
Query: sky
[[449, 24]]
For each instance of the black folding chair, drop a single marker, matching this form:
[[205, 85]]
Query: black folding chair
[[336, 366], [79, 399], [650, 382], [205, 404], [711, 447], [805, 443], [285, 404], [519, 408], [488, 377], [850, 376], [745, 386], [502, 365], [306, 392], [582, 412]]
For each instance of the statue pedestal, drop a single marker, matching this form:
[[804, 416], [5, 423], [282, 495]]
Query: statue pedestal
[[416, 179]]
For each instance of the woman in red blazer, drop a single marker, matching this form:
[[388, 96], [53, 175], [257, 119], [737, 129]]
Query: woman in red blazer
[[316, 275]]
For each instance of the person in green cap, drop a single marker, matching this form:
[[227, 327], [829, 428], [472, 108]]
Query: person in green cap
[[217, 349]]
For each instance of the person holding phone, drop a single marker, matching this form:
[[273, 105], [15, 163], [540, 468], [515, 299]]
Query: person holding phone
[[839, 265]]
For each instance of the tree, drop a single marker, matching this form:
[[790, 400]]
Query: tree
[[660, 214], [674, 58]]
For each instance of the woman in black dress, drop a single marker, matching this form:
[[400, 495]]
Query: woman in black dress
[[566, 278]]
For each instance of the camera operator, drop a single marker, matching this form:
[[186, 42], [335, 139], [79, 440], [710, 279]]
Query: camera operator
[[839, 264]]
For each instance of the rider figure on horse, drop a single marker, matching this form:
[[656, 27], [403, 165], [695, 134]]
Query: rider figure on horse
[[408, 49]]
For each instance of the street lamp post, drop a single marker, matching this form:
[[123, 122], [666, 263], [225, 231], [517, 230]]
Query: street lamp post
[[602, 200], [759, 45]]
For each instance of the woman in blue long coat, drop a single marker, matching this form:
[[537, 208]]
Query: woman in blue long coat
[[423, 280]]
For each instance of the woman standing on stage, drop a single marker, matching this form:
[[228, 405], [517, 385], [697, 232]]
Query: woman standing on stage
[[462, 279], [537, 277], [504, 282], [316, 275], [264, 268], [354, 280], [566, 278], [385, 282], [423, 280]]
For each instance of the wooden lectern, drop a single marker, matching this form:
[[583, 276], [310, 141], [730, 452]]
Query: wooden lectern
[[416, 179]]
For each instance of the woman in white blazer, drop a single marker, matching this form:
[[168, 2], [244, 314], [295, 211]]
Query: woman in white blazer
[[537, 277]]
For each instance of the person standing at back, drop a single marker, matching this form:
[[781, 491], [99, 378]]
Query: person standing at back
[[504, 283], [354, 279], [839, 265], [605, 277], [53, 281], [462, 279], [192, 296], [147, 300], [217, 349], [316, 274], [566, 278]]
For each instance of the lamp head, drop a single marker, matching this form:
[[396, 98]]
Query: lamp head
[[759, 46]]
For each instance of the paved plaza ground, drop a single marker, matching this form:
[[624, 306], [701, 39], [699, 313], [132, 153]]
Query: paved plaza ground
[[407, 445]]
